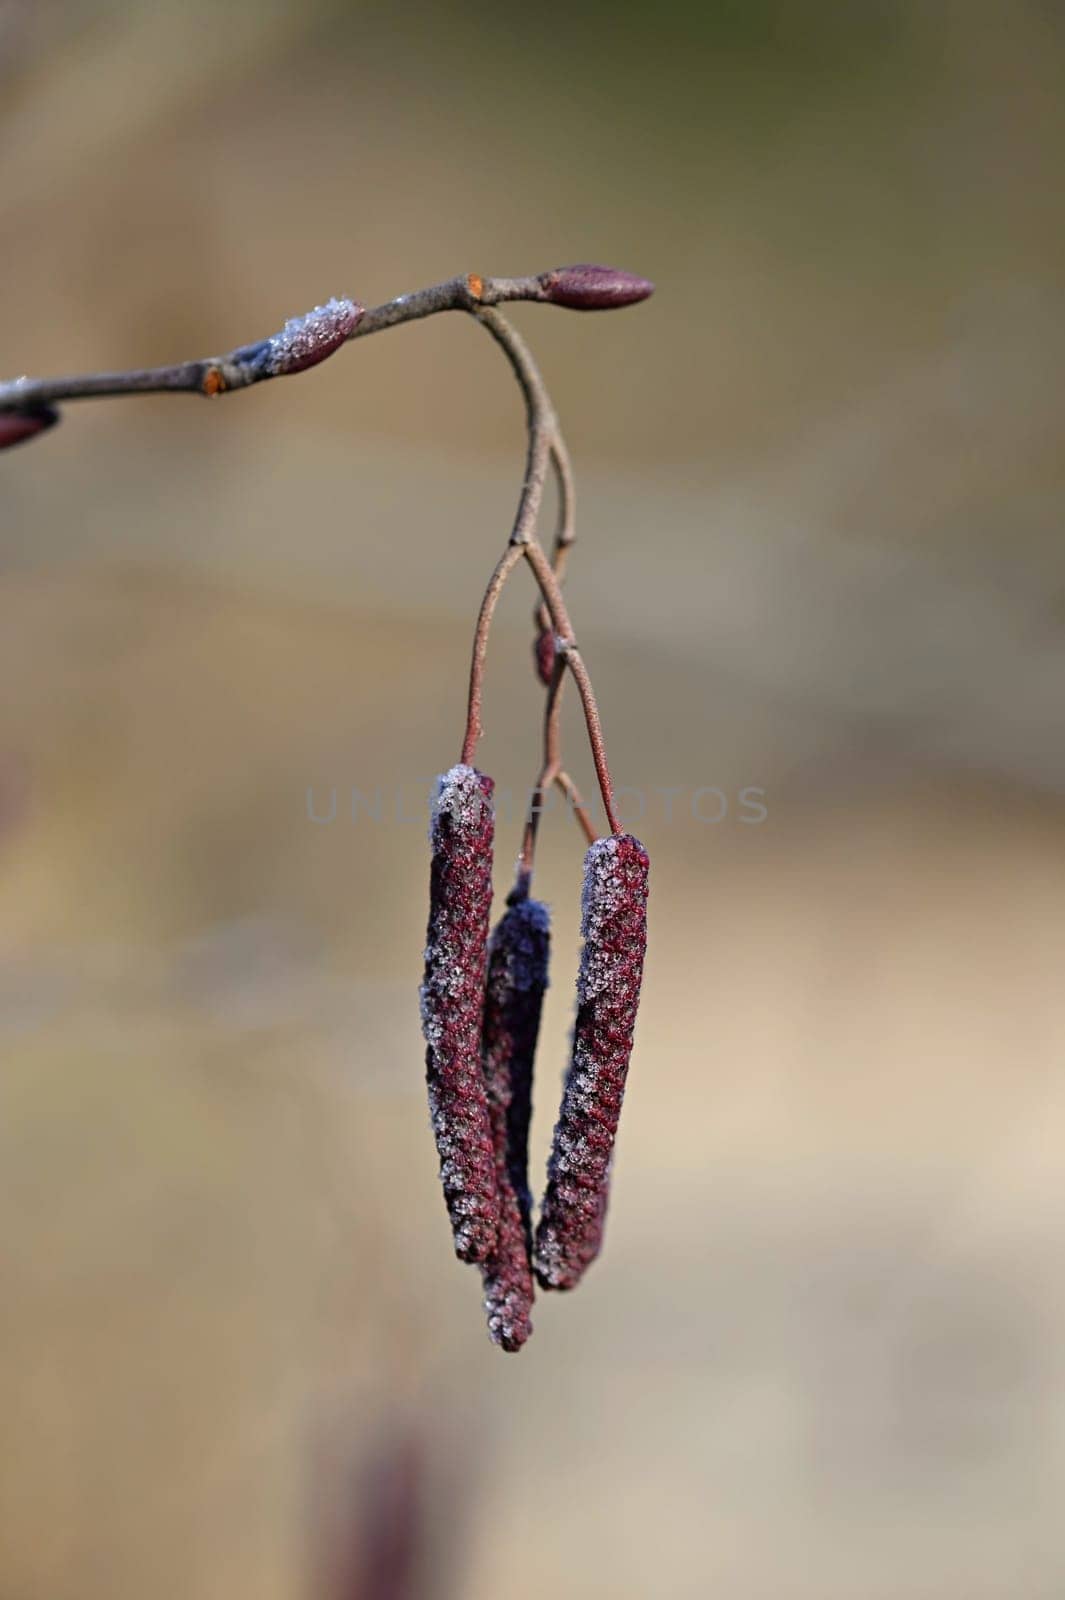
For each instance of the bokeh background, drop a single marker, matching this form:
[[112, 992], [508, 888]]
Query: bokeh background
[[821, 555]]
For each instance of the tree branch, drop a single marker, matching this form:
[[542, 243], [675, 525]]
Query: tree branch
[[306, 340]]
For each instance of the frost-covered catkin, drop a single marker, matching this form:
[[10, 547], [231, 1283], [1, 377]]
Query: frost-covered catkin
[[452, 1000], [514, 995], [614, 926]]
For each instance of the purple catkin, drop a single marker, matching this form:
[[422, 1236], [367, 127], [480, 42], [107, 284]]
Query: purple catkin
[[452, 1001], [614, 927], [514, 995]]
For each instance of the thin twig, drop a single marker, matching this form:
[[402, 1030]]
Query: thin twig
[[504, 566], [552, 763], [573, 799], [237, 369], [549, 588], [566, 523]]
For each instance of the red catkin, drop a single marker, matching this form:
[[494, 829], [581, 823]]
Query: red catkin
[[614, 927], [452, 1003], [514, 994]]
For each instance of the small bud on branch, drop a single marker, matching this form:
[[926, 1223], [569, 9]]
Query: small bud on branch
[[544, 652], [614, 926], [306, 340], [589, 288], [452, 1005], [18, 426]]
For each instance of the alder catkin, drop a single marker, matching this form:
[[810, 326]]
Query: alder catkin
[[514, 995], [614, 927], [452, 1005]]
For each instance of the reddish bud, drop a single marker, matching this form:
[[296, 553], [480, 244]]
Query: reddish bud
[[514, 994], [306, 340], [588, 288], [614, 926], [544, 652], [18, 426], [452, 1002]]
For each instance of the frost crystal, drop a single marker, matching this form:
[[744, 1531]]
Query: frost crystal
[[614, 926], [306, 340], [452, 1005]]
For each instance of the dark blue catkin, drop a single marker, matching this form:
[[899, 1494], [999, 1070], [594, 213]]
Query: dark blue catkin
[[452, 1004], [514, 995], [614, 927]]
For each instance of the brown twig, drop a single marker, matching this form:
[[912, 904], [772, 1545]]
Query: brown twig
[[212, 375], [503, 568], [576, 805], [552, 765]]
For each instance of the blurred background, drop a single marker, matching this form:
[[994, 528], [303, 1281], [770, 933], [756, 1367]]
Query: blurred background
[[820, 482]]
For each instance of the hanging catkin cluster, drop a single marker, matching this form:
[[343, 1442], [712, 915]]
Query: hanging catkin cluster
[[482, 1019], [482, 998]]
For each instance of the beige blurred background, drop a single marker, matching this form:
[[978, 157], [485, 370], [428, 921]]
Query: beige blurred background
[[820, 490]]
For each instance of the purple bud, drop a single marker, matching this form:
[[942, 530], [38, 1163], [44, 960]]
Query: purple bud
[[588, 288], [452, 1002], [614, 926], [544, 651], [517, 978], [306, 340], [18, 426]]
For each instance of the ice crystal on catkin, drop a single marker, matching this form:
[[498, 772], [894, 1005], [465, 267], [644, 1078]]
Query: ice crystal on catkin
[[614, 927], [452, 1001], [514, 994]]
